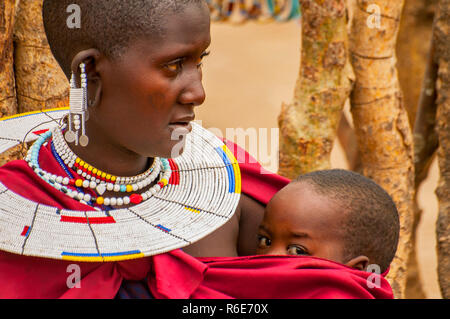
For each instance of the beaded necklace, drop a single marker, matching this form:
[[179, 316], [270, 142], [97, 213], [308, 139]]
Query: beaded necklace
[[99, 180], [61, 183]]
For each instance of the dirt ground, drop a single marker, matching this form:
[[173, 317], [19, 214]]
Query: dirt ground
[[252, 69]]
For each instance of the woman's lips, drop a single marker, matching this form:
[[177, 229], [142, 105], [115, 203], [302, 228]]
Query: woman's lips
[[183, 124], [182, 127]]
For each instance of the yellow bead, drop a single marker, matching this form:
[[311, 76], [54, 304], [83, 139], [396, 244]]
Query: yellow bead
[[90, 168], [94, 171], [86, 165], [99, 173], [164, 181], [103, 175], [129, 188], [113, 179], [79, 183], [108, 176], [100, 200], [77, 160], [82, 163]]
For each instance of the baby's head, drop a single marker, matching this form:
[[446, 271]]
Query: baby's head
[[335, 214]]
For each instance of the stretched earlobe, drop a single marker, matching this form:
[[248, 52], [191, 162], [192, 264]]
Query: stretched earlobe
[[90, 58], [360, 262], [84, 56]]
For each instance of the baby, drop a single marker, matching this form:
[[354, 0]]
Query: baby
[[336, 215]]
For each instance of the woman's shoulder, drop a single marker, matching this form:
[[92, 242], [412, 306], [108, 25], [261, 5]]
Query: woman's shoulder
[[19, 178], [16, 172]]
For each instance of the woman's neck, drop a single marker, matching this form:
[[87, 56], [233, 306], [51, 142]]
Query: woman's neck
[[111, 158]]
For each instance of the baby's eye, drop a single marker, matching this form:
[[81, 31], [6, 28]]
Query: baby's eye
[[297, 250], [263, 241]]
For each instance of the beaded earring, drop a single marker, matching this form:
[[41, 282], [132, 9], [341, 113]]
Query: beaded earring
[[78, 110]]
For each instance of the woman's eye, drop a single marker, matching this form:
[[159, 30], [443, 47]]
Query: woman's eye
[[264, 242], [175, 66], [297, 250], [199, 61]]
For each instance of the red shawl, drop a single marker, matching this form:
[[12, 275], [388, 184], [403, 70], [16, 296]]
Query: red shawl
[[175, 274]]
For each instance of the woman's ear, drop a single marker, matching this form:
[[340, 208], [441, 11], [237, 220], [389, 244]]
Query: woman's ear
[[90, 58], [360, 262]]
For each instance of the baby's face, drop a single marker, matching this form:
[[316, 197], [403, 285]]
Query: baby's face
[[298, 221]]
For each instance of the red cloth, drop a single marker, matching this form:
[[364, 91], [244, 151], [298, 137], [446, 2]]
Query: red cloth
[[175, 274]]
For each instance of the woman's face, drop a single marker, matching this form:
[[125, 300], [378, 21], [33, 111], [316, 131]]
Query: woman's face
[[148, 95]]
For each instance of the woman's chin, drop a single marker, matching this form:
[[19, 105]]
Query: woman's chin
[[173, 149]]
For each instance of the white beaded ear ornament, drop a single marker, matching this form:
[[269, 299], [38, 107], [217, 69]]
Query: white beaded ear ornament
[[78, 110]]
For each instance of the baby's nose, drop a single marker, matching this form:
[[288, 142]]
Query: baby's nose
[[277, 251]]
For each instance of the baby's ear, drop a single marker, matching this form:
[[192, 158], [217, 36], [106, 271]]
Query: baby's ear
[[360, 262]]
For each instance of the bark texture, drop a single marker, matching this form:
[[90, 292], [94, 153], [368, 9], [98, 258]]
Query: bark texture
[[442, 38], [8, 103], [308, 125], [349, 143], [425, 137], [380, 119], [40, 81], [413, 45], [415, 29]]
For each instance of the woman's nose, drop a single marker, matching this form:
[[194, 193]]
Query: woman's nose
[[194, 93]]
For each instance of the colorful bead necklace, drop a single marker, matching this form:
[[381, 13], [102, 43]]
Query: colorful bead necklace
[[62, 183], [99, 180]]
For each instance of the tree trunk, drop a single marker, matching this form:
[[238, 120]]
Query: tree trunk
[[40, 81], [308, 125], [425, 138], [349, 143], [442, 38], [8, 103], [415, 30], [413, 46], [380, 120]]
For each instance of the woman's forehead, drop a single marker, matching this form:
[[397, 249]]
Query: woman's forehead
[[181, 36], [190, 24], [168, 49]]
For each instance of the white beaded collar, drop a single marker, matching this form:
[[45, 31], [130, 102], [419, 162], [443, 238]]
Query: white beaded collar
[[202, 196]]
